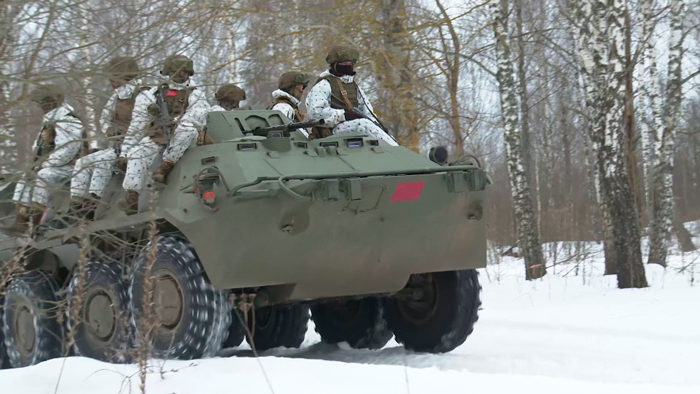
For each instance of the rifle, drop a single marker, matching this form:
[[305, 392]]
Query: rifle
[[286, 128], [164, 120]]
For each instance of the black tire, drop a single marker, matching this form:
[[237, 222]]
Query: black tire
[[202, 315], [279, 326], [103, 329], [4, 362], [32, 332], [236, 332], [357, 322], [443, 318]]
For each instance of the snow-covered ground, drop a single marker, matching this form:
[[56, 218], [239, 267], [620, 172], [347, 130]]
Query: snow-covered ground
[[571, 332]]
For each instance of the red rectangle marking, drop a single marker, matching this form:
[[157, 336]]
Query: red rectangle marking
[[171, 93], [408, 191]]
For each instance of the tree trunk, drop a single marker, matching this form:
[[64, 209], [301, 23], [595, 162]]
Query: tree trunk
[[663, 167], [620, 196], [528, 237], [397, 76], [452, 69]]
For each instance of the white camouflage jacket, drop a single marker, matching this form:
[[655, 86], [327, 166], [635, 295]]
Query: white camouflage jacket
[[69, 135], [194, 117], [285, 108], [121, 93], [318, 102]]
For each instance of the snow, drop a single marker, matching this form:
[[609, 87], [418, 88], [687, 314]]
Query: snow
[[573, 332]]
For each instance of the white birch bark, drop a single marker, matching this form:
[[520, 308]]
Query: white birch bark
[[528, 237], [665, 141], [88, 96]]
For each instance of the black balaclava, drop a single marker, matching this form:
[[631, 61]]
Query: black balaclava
[[339, 70]]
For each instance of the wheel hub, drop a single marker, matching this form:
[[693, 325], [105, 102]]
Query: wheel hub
[[25, 333], [168, 301], [100, 314], [421, 307]]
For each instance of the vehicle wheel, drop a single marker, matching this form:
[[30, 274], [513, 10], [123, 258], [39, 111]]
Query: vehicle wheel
[[236, 332], [190, 318], [102, 329], [4, 363], [357, 322], [441, 314], [279, 326], [32, 332]]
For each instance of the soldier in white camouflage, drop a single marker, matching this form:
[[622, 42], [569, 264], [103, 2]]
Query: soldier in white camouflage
[[288, 95], [337, 99], [228, 98], [93, 172], [164, 122], [56, 148]]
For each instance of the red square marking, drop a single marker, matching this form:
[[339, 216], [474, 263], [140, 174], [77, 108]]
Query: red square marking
[[408, 191]]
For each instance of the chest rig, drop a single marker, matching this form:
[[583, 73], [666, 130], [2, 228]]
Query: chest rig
[[121, 118], [298, 116], [170, 105], [343, 96], [46, 141]]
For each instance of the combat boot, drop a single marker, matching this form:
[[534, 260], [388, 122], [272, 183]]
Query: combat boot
[[130, 204], [22, 217], [162, 171]]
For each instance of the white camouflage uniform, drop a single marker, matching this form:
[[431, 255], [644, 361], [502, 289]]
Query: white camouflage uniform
[[285, 108], [93, 172], [141, 150], [57, 167], [318, 103]]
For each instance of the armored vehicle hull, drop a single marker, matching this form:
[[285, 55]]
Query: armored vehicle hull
[[374, 239]]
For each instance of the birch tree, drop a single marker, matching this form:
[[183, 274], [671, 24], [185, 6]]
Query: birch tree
[[665, 136], [528, 237]]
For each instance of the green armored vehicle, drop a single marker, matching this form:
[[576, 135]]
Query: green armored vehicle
[[256, 233]]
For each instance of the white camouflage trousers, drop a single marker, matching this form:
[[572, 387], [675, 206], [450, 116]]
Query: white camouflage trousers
[[141, 157], [364, 126], [39, 191], [92, 173]]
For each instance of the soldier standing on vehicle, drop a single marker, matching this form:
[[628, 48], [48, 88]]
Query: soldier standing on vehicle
[[93, 172], [58, 145], [164, 121], [288, 95], [338, 100]]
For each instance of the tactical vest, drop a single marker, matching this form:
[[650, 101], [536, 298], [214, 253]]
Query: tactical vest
[[176, 103], [343, 96], [121, 118], [46, 141], [298, 116]]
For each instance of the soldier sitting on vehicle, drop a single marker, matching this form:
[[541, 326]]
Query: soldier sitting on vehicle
[[93, 172], [338, 100], [228, 98], [164, 121], [58, 145], [288, 95]]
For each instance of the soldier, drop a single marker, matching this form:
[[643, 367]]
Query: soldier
[[55, 150], [228, 98], [93, 172], [338, 100], [164, 121], [288, 95]]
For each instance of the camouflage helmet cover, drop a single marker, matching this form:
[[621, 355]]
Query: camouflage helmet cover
[[47, 93], [122, 68], [230, 93], [292, 78], [176, 63], [342, 53]]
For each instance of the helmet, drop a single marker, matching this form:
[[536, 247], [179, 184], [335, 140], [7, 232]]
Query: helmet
[[342, 53], [230, 93], [176, 63], [292, 78], [47, 93], [124, 68]]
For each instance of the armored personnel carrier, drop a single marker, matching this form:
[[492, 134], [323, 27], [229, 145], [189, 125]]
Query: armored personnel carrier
[[252, 236]]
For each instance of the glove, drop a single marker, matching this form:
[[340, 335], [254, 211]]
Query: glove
[[121, 163], [351, 115]]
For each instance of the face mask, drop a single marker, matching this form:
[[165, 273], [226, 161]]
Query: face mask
[[180, 77], [345, 69]]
